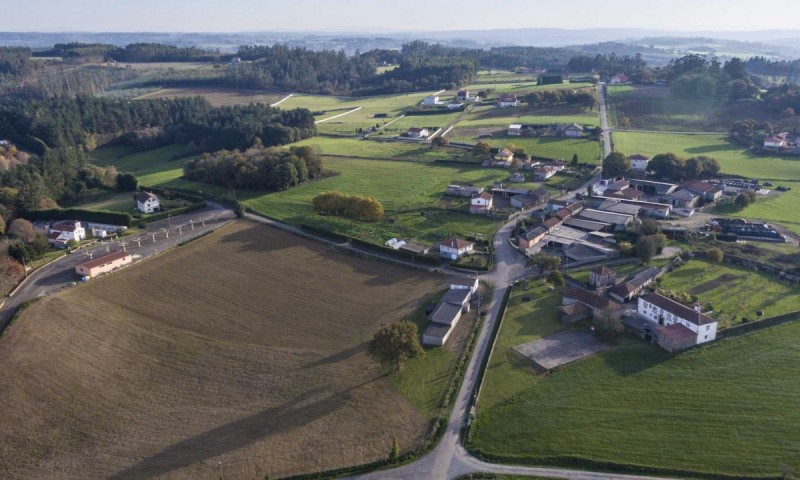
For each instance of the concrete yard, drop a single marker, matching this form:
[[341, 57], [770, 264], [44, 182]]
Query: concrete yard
[[562, 348]]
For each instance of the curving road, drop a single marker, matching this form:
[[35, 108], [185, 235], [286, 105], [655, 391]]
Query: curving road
[[160, 236], [449, 458]]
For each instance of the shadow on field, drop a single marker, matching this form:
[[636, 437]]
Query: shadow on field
[[297, 413], [630, 360], [339, 356]]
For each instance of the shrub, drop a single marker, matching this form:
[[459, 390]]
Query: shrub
[[349, 206]]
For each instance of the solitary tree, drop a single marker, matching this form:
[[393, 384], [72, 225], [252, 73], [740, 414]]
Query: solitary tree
[[439, 141], [649, 226], [714, 254], [21, 229], [574, 162], [556, 278], [396, 343], [646, 248], [607, 325], [615, 164], [545, 262], [481, 149], [743, 199]]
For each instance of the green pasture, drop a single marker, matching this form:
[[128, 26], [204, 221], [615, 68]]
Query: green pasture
[[741, 293], [730, 407]]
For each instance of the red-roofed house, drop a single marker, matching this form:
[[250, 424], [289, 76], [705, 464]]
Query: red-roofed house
[[104, 264], [455, 248], [777, 141], [665, 312], [619, 79], [481, 203], [507, 100]]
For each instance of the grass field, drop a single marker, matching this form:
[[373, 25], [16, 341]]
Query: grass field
[[550, 147], [734, 292], [734, 161], [404, 188], [218, 97], [730, 407], [654, 108], [121, 202], [492, 116], [247, 347]]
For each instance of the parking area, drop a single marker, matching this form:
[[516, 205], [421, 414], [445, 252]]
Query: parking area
[[561, 348]]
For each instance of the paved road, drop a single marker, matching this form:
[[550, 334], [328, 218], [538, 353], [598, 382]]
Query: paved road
[[449, 458], [601, 101], [160, 236]]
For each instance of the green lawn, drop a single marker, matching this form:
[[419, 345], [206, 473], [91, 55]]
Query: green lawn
[[731, 407], [404, 188], [737, 297], [122, 202], [734, 160], [492, 116], [550, 147]]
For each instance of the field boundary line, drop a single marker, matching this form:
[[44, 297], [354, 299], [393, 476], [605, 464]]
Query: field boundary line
[[337, 116], [287, 97]]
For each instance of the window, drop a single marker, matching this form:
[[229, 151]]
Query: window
[[706, 337], [708, 327]]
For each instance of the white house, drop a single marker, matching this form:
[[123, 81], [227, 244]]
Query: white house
[[446, 315], [431, 100], [455, 248], [507, 100], [543, 173], [415, 132], [669, 313], [515, 130], [619, 79], [147, 202], [455, 104], [104, 264], [639, 162], [777, 141], [481, 203], [62, 232], [573, 131]]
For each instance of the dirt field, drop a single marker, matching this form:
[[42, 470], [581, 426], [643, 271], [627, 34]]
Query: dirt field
[[712, 284], [246, 347], [218, 97]]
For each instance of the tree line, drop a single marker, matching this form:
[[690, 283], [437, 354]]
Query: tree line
[[586, 99], [85, 121], [665, 165], [357, 207], [257, 168]]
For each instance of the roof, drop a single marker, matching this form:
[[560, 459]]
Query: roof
[[483, 195], [456, 296], [515, 126], [145, 196], [623, 289], [678, 309], [446, 312], [437, 330], [585, 224], [582, 251], [508, 97], [505, 153], [624, 208], [644, 276], [606, 217], [414, 247], [676, 332], [590, 299], [603, 270], [457, 243], [536, 232], [551, 222], [96, 262], [563, 214], [416, 129], [573, 126], [703, 187], [638, 156], [539, 192], [684, 195]]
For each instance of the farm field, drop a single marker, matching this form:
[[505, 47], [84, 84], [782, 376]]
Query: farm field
[[654, 108], [404, 188], [246, 347], [520, 87], [492, 116], [121, 202], [728, 408], [736, 293], [549, 147], [218, 97]]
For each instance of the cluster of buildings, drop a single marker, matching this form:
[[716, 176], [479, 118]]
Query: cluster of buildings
[[509, 197], [60, 232], [458, 102], [570, 130], [445, 315], [582, 235], [782, 143], [651, 316], [662, 198]]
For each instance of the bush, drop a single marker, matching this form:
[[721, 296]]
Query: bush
[[556, 278], [349, 206], [714, 254]]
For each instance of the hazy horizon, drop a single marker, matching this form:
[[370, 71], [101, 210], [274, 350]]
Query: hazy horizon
[[362, 16]]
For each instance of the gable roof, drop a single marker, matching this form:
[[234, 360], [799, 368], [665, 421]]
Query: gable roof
[[536, 232], [456, 242], [603, 270], [145, 196], [96, 262], [590, 299], [483, 195], [678, 309], [702, 187]]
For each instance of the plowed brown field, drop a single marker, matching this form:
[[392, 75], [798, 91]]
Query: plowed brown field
[[246, 347]]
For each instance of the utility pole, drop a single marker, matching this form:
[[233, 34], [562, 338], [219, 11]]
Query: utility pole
[[220, 471]]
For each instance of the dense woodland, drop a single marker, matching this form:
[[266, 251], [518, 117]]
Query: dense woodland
[[257, 168]]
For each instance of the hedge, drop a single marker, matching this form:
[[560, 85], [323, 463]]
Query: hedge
[[176, 211], [412, 257], [97, 216], [189, 195]]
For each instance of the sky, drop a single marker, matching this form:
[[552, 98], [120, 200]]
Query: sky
[[381, 16]]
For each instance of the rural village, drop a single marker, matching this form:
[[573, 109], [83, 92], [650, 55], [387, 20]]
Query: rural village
[[418, 262]]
